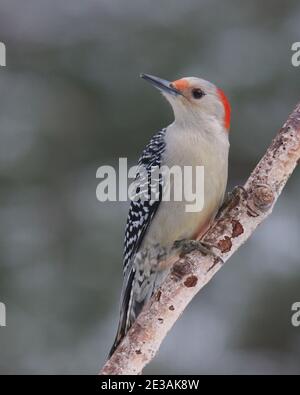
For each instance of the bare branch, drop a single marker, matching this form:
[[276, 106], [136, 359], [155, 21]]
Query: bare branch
[[235, 224]]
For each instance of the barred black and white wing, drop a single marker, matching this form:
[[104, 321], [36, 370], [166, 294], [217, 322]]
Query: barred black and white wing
[[139, 218], [142, 211]]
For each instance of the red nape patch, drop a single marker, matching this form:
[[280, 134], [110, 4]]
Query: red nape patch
[[227, 108]]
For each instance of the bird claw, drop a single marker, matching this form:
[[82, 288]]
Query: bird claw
[[238, 192], [186, 246]]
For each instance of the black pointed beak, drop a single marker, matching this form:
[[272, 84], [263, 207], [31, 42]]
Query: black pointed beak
[[161, 84]]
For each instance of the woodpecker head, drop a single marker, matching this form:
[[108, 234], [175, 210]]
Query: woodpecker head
[[194, 100]]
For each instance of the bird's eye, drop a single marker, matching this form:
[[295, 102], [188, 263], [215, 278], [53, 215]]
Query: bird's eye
[[197, 93]]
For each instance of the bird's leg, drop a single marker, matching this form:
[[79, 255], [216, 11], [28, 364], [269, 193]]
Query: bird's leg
[[186, 246]]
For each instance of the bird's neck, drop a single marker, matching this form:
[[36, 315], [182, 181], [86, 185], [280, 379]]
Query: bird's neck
[[207, 130]]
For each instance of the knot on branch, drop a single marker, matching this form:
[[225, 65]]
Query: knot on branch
[[263, 197]]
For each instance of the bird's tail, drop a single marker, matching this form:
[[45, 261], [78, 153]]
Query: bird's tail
[[126, 301], [137, 290]]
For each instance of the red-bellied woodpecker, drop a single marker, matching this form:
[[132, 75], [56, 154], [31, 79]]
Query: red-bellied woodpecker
[[197, 137]]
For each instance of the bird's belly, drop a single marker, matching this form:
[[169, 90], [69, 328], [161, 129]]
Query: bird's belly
[[172, 221]]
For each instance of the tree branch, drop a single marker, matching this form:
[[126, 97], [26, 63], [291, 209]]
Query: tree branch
[[237, 221]]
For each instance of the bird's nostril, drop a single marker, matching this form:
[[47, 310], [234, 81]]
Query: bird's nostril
[[174, 87]]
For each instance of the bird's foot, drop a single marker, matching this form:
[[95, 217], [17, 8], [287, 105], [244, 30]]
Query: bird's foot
[[238, 192], [186, 246]]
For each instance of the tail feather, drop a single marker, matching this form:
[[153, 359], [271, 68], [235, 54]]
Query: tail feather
[[137, 290], [124, 323]]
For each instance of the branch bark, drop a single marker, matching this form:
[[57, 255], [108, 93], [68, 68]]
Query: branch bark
[[235, 224]]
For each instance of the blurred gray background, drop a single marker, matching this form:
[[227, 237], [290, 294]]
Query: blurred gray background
[[71, 100]]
